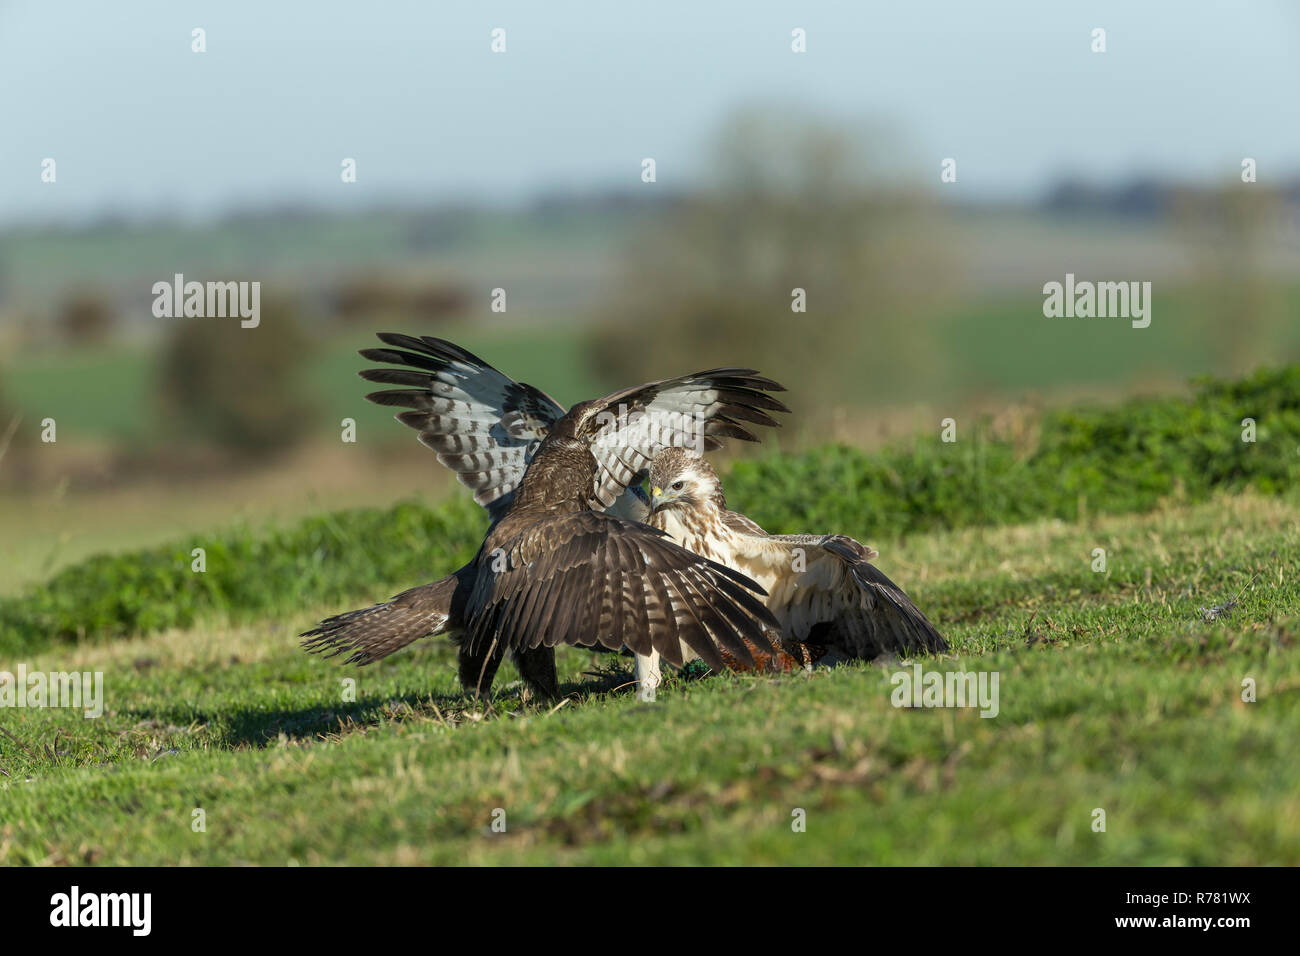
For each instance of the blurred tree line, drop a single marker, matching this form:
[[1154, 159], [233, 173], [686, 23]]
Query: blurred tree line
[[1230, 232], [794, 204]]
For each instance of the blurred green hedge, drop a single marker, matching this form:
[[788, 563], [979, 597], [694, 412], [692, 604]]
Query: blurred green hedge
[[1111, 460]]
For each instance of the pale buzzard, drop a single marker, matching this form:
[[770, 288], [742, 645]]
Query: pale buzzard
[[828, 596]]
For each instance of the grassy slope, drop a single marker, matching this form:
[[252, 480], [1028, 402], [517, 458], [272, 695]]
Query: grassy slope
[[1114, 694], [1127, 459], [52, 527]]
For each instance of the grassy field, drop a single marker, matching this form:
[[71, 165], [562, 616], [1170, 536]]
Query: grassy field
[[1162, 689], [1115, 693]]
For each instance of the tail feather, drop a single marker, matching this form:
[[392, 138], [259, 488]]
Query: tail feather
[[375, 632]]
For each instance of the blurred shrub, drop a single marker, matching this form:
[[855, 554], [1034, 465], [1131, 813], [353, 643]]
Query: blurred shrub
[[372, 298], [1122, 459], [85, 319], [240, 389]]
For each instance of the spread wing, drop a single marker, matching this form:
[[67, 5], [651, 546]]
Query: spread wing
[[828, 592], [627, 429], [589, 578], [484, 425]]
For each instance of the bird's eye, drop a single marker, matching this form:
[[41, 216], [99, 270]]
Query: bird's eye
[[678, 485]]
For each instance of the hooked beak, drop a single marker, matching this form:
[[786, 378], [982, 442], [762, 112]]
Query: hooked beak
[[657, 499]]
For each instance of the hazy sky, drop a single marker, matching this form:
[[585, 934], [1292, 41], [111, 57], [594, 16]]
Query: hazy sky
[[137, 123]]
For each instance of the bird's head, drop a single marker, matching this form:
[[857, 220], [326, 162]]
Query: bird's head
[[681, 478]]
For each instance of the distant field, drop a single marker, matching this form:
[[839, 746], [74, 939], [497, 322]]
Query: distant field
[[548, 256], [1115, 694], [108, 393], [1000, 348], [561, 262]]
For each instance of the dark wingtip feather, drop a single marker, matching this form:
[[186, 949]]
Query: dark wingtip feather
[[743, 377], [718, 427], [400, 398], [400, 339], [441, 349], [398, 376]]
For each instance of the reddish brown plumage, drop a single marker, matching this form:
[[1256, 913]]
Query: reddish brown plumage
[[783, 658]]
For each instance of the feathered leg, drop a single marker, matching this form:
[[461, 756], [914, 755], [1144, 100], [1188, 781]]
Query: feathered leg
[[648, 675], [537, 667]]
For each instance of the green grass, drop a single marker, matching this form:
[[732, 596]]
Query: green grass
[[1115, 693], [1125, 459]]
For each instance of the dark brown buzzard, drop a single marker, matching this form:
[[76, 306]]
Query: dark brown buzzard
[[553, 569]]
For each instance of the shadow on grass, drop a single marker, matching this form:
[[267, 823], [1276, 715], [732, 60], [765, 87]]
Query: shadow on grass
[[255, 727]]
